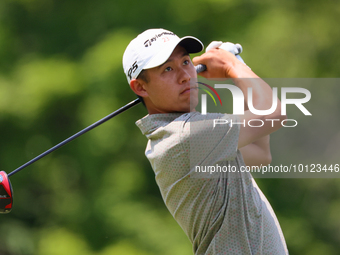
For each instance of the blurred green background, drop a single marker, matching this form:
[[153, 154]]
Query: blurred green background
[[60, 70]]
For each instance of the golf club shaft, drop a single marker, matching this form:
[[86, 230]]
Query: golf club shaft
[[120, 110], [199, 69]]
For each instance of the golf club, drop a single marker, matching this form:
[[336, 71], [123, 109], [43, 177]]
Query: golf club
[[6, 196], [6, 192]]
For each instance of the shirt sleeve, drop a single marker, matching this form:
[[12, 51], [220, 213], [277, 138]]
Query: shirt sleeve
[[212, 138]]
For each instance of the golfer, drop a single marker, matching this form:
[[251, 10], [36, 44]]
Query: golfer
[[221, 213]]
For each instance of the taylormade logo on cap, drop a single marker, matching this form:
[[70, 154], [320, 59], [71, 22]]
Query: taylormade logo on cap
[[152, 48], [148, 42]]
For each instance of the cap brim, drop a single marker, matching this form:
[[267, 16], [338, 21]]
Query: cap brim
[[190, 43]]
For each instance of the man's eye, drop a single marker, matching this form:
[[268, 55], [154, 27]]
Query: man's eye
[[168, 69], [186, 62]]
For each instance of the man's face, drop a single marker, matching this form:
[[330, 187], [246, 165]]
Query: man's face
[[168, 86]]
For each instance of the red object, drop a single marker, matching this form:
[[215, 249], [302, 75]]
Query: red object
[[6, 196]]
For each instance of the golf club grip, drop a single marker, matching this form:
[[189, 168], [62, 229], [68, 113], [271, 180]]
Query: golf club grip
[[200, 68]]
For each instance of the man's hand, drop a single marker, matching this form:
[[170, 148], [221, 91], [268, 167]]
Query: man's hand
[[223, 64]]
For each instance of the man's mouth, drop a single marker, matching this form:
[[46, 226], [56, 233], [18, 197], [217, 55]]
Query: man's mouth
[[187, 90]]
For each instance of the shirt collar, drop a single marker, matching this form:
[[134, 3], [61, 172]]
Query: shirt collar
[[151, 122]]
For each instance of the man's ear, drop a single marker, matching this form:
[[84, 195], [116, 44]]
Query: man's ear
[[137, 86]]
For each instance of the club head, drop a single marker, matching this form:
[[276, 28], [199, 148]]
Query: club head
[[6, 194]]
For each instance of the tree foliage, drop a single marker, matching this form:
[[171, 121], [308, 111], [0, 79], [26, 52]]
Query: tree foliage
[[60, 70]]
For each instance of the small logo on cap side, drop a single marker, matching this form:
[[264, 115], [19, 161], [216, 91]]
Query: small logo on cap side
[[132, 69], [149, 42]]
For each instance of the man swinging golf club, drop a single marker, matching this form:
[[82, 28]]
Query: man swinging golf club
[[223, 214]]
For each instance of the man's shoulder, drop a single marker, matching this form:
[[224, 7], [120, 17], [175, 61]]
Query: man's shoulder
[[151, 123]]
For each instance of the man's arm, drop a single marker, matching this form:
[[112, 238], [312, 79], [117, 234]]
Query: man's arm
[[223, 64], [257, 153]]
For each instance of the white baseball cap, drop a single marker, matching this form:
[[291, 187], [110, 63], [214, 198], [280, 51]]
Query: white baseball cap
[[152, 48]]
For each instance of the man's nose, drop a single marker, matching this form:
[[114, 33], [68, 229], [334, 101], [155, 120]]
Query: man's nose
[[184, 75]]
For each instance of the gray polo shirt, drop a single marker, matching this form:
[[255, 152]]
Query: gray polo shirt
[[220, 212]]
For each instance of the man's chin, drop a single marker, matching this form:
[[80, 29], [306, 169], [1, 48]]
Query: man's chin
[[193, 104]]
